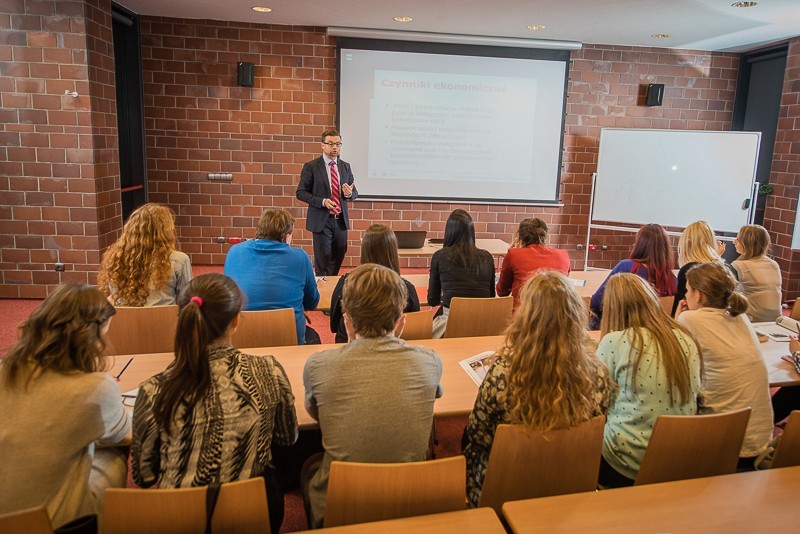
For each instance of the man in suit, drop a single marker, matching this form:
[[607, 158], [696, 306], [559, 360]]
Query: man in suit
[[326, 185]]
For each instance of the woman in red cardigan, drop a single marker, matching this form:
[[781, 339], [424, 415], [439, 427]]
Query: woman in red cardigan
[[527, 255]]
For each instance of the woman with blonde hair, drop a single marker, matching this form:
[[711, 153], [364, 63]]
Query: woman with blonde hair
[[697, 244], [656, 365], [735, 375], [544, 377], [60, 412], [143, 268], [759, 276]]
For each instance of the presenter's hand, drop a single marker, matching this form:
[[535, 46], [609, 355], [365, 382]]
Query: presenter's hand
[[329, 204], [347, 189]]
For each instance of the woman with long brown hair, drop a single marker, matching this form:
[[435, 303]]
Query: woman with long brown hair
[[379, 246], [143, 267], [656, 365], [651, 258], [60, 412], [213, 415], [545, 376], [759, 275]]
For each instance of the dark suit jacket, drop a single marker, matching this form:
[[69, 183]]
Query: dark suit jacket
[[314, 187]]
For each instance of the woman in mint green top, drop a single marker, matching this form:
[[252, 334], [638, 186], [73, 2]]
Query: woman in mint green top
[[656, 365]]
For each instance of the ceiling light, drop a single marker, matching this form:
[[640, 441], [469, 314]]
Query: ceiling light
[[403, 19], [744, 4], [262, 9], [536, 26], [661, 36]]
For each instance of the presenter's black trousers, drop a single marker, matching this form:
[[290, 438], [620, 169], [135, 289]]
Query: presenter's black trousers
[[330, 246]]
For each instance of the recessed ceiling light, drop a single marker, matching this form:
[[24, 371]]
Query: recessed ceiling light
[[262, 9], [536, 26], [744, 4], [403, 19], [661, 36]]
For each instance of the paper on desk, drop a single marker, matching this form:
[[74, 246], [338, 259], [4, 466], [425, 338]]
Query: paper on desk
[[777, 331], [132, 393], [577, 282], [477, 366]]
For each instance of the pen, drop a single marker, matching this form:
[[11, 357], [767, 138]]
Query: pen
[[123, 369]]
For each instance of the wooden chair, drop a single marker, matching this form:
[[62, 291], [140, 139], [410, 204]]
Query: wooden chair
[[666, 304], [241, 508], [795, 313], [30, 521], [529, 464], [693, 446], [470, 317], [360, 492], [788, 452], [419, 325], [142, 330], [266, 328]]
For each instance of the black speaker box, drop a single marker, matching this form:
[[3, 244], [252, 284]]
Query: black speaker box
[[245, 74], [655, 94]]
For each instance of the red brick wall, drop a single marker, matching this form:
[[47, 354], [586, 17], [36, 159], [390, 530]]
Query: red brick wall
[[58, 172], [781, 208], [198, 121]]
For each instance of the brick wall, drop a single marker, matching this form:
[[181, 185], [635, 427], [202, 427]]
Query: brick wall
[[198, 121], [781, 208], [58, 171]]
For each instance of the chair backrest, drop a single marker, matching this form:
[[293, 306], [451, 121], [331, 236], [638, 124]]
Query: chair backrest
[[788, 452], [478, 317], [693, 446], [266, 328], [528, 464], [142, 330], [241, 507], [30, 521], [795, 313], [666, 304], [419, 325], [360, 492]]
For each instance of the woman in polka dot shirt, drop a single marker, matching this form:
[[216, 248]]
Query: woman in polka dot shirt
[[656, 365]]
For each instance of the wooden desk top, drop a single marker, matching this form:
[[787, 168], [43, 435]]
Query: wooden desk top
[[760, 501], [495, 247], [476, 521]]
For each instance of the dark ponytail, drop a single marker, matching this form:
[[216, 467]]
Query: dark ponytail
[[206, 308], [716, 283]]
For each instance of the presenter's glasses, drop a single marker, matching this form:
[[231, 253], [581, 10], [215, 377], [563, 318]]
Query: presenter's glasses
[[330, 143]]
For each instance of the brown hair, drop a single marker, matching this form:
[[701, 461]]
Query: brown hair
[[717, 285], [373, 298], [653, 249], [201, 321], [63, 334], [532, 232], [330, 133], [755, 241], [630, 303], [275, 225], [379, 245], [139, 259], [551, 372]]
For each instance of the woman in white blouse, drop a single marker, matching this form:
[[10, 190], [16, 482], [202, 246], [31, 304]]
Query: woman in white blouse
[[759, 276]]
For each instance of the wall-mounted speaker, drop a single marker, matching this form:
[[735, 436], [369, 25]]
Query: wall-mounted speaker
[[655, 94], [245, 74]]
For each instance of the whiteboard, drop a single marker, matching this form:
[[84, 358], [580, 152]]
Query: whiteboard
[[675, 177]]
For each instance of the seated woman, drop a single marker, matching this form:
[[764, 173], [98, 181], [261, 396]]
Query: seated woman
[[656, 365], [545, 376], [459, 269], [143, 268], [735, 376], [530, 254], [59, 409], [697, 244], [213, 415], [379, 245], [651, 258], [759, 276]]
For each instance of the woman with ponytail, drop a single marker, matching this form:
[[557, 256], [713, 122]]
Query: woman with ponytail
[[735, 374], [528, 254], [213, 414]]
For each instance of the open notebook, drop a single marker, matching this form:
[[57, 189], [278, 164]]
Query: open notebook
[[780, 330]]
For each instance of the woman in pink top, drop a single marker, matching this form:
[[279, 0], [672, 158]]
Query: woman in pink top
[[527, 255]]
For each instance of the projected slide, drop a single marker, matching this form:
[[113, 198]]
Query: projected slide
[[452, 127]]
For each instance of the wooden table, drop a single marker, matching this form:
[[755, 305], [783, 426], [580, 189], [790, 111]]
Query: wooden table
[[760, 501], [495, 247], [476, 521], [459, 389]]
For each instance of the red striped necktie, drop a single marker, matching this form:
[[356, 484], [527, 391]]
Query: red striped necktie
[[335, 193]]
